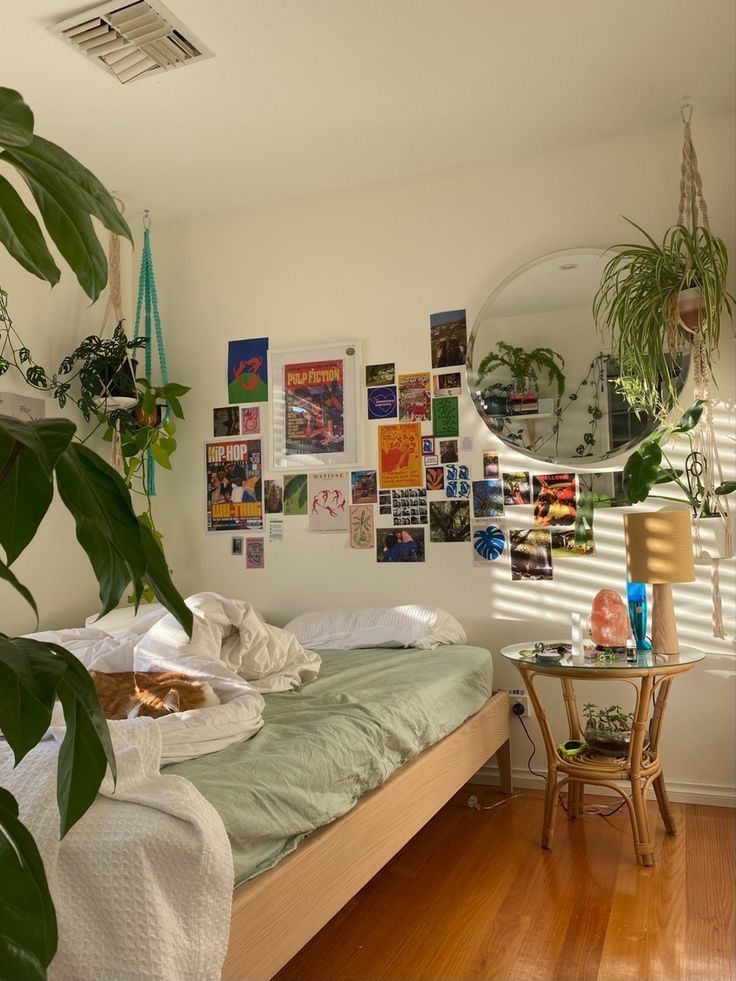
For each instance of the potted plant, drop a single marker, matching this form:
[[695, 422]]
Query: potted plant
[[608, 730], [654, 298], [37, 458], [644, 470]]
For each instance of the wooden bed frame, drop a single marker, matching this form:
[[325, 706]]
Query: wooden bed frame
[[276, 913]]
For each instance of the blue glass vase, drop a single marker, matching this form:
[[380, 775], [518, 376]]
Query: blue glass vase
[[636, 594]]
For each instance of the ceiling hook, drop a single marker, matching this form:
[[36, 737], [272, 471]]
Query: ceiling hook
[[146, 218], [686, 109]]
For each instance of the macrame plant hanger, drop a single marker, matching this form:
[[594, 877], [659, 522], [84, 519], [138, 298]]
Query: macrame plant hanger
[[148, 304], [114, 308], [705, 447]]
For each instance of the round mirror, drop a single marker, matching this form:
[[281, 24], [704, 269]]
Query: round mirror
[[539, 371]]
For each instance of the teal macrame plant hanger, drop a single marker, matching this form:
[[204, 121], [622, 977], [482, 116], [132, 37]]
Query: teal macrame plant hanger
[[148, 305]]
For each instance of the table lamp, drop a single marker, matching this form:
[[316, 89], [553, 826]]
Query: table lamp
[[659, 550]]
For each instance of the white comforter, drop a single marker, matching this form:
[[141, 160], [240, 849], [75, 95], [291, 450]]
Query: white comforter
[[142, 884], [231, 648]]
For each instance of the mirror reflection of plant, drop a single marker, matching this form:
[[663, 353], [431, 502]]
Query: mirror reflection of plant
[[595, 382], [644, 469], [525, 366]]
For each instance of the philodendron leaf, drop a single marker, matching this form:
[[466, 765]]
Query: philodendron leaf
[[16, 119], [158, 578], [71, 229], [691, 418], [29, 676], [160, 455], [45, 438], [727, 487], [86, 749], [21, 235], [66, 179], [18, 586], [668, 475], [106, 526], [28, 933], [32, 673], [640, 472], [27, 487]]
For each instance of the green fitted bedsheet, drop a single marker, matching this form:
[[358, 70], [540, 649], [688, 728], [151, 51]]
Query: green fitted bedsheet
[[326, 744]]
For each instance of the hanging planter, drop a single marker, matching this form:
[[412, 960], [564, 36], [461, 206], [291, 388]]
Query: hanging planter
[[115, 387], [656, 299], [691, 308]]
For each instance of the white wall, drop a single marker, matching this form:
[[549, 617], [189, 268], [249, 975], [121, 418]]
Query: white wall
[[52, 322], [372, 264]]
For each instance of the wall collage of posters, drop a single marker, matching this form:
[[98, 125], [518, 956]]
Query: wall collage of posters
[[420, 492]]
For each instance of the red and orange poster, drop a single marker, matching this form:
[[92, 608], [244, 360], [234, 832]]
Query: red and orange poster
[[315, 414], [400, 455]]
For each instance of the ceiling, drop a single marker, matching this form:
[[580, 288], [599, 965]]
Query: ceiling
[[305, 96]]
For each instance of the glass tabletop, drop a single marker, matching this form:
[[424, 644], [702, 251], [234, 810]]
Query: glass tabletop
[[598, 659]]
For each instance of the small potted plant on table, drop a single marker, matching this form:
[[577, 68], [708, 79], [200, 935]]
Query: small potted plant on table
[[608, 730]]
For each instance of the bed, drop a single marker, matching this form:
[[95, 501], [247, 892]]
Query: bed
[[344, 772]]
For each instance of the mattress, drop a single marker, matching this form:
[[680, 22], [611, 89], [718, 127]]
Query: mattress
[[326, 744]]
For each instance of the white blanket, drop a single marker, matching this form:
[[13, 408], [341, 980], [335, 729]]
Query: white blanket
[[270, 658], [231, 649], [142, 884]]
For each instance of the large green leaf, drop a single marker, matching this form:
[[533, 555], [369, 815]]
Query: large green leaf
[[18, 586], [71, 229], [106, 526], [691, 418], [64, 177], [29, 676], [26, 487], [82, 757], [32, 673], [28, 934], [158, 578], [641, 471], [21, 235], [16, 119], [45, 438]]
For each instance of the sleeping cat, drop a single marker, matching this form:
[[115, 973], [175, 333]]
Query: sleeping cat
[[127, 694]]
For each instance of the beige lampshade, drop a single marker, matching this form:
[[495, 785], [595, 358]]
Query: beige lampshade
[[659, 546]]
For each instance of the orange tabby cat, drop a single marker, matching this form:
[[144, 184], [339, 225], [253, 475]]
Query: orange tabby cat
[[127, 694]]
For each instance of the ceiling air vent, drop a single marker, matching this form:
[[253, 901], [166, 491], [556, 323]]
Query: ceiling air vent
[[132, 40]]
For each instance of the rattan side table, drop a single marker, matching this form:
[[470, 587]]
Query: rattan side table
[[651, 676]]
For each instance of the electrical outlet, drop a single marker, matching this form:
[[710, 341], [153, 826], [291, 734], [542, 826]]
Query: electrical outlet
[[518, 696]]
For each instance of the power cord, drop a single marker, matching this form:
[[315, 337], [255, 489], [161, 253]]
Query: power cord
[[518, 711]]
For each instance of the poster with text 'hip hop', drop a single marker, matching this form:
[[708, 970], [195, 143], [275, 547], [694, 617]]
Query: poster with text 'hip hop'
[[234, 486]]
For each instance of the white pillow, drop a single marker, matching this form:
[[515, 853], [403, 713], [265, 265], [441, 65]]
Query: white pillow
[[392, 626], [125, 620]]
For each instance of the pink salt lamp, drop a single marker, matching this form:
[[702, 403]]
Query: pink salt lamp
[[609, 620]]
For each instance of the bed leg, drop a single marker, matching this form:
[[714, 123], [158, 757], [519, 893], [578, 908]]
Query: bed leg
[[503, 758]]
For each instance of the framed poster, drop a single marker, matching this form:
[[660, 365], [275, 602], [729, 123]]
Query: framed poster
[[314, 406]]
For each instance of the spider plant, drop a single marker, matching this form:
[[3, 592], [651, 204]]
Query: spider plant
[[525, 367], [636, 305]]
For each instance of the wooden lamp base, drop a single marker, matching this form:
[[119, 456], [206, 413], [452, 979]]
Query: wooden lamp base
[[664, 625]]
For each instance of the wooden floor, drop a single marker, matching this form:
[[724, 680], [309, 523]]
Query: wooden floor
[[473, 896]]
